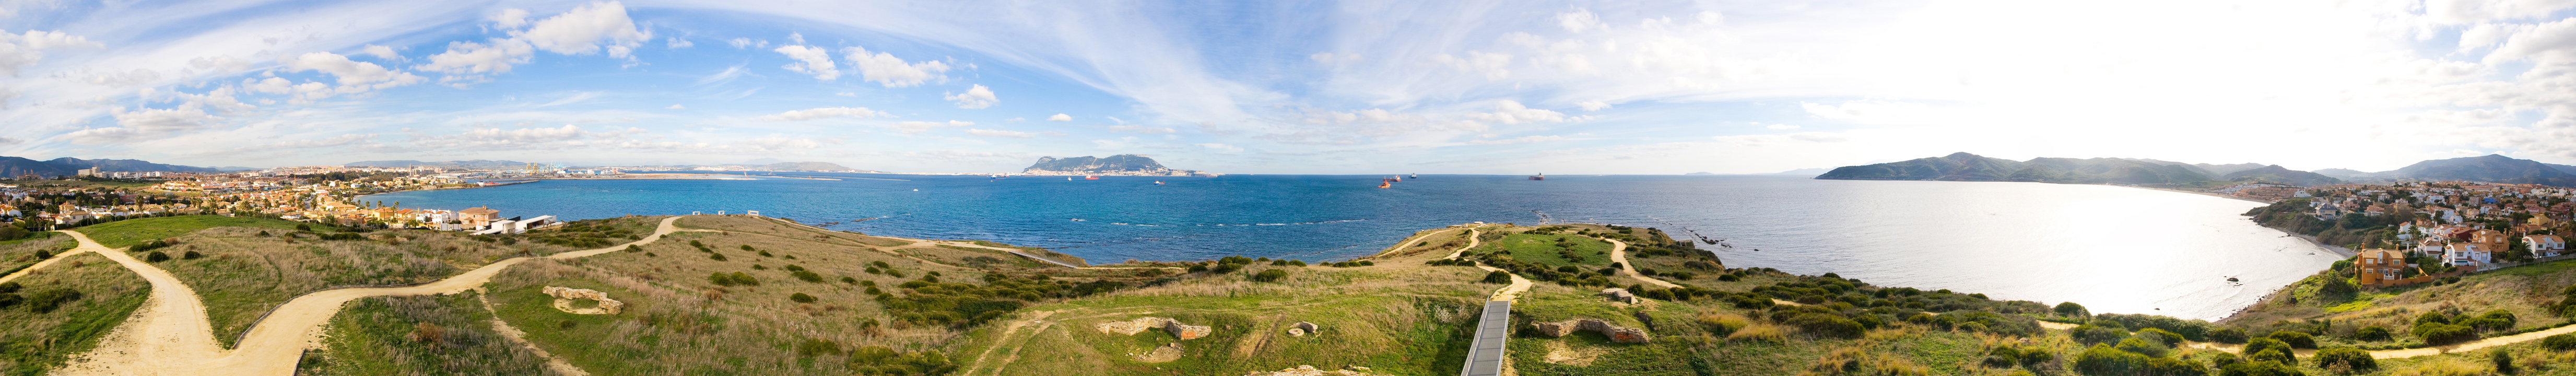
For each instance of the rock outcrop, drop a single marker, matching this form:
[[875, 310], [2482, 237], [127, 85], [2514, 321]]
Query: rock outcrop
[[565, 295], [1616, 333], [1619, 295], [1301, 329], [1131, 327]]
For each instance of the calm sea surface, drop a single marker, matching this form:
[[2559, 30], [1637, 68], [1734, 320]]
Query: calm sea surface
[[2113, 249]]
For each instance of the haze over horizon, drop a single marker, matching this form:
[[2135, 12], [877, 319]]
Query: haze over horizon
[[1304, 87]]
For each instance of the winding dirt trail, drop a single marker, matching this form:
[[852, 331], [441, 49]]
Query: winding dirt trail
[[171, 336], [1508, 293], [43, 264], [1619, 254]]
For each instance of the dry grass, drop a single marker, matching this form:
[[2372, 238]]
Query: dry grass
[[21, 253], [1764, 332], [2447, 366], [242, 274]]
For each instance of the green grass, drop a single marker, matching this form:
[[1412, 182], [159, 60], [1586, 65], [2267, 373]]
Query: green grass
[[121, 234], [109, 294], [1544, 249], [376, 336]]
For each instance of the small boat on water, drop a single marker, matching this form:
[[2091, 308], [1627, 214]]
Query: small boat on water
[[1087, 177], [1385, 185], [1158, 182]]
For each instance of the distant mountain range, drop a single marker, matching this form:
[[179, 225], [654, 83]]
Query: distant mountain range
[[2492, 168], [11, 167], [803, 166], [1971, 167], [477, 164]]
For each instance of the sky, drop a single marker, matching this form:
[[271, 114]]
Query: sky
[[1286, 87]]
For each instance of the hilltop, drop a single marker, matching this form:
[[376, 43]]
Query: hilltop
[[1122, 164], [2487, 168], [66, 166], [1971, 167]]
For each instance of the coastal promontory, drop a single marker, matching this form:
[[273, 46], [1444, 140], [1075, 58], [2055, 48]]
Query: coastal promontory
[[1117, 165]]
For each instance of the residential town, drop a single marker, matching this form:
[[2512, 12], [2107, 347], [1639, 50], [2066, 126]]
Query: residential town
[[319, 194], [2417, 232]]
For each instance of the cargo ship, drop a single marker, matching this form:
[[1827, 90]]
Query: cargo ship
[[1540, 176]]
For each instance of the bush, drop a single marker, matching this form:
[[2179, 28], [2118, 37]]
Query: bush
[[632, 249], [818, 346], [1498, 276], [1827, 325], [2371, 333], [2443, 334], [2346, 357], [2227, 335], [808, 276], [2092, 335], [1272, 275], [2161, 336], [2296, 340], [2255, 348], [801, 298], [2259, 368], [191, 255], [2104, 360], [2175, 367], [2142, 346], [1720, 324], [47, 300], [2562, 342], [2071, 309], [156, 256], [2503, 359]]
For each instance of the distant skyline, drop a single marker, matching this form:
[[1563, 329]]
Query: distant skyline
[[1568, 87]]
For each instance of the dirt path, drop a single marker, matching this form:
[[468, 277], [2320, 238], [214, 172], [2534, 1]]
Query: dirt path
[[1507, 293], [170, 335], [1005, 339], [516, 336], [1619, 254], [1417, 240], [43, 264]]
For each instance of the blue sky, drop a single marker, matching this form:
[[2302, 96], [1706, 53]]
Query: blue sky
[[1564, 87]]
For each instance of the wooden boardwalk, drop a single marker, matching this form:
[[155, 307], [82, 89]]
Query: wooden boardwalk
[[1485, 356]]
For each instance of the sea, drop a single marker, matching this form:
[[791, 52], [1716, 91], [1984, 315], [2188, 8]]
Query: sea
[[2112, 249]]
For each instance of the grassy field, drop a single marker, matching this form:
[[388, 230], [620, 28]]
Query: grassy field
[[1554, 250], [2524, 291], [21, 253], [418, 335], [37, 339], [126, 233], [240, 274]]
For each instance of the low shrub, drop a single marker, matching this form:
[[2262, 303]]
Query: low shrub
[[2562, 342], [156, 256], [2346, 358], [801, 298], [2227, 335], [2105, 360], [1272, 275], [2255, 348], [2371, 333], [2296, 340], [1760, 332]]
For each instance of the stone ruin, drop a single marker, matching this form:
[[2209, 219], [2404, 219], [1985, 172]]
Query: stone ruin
[[1311, 371], [1616, 333], [1301, 329], [1619, 295], [565, 295], [1131, 327]]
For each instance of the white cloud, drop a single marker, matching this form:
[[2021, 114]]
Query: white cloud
[[139, 76], [846, 94], [23, 50], [1512, 112], [1579, 21], [1781, 126], [381, 52], [1060, 117], [677, 43], [351, 73], [511, 18], [813, 61], [1328, 58], [916, 127], [580, 31], [1142, 129], [219, 63], [826, 112], [780, 143], [977, 97], [1523, 139], [1220, 148], [796, 38], [1494, 66], [747, 43], [496, 138], [1593, 105], [469, 58], [999, 133], [676, 107], [893, 72]]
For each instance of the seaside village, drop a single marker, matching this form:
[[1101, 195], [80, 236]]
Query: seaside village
[[2429, 231], [318, 194]]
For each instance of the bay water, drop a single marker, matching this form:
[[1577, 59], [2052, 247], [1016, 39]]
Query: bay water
[[2114, 249]]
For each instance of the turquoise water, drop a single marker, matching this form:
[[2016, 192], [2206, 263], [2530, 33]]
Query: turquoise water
[[2111, 248]]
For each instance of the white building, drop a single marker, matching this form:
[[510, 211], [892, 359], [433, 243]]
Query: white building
[[2468, 253], [2545, 245]]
